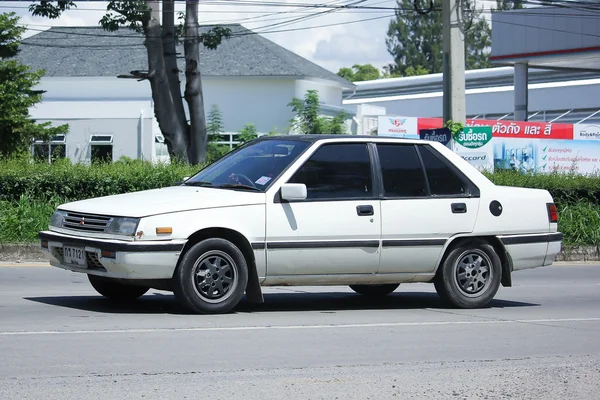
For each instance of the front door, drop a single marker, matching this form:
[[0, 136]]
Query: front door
[[336, 230]]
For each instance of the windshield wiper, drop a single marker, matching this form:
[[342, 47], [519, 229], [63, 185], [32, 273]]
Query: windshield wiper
[[238, 186], [197, 183]]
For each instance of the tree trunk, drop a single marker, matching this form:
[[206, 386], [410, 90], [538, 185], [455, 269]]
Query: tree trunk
[[164, 105], [193, 86], [170, 52]]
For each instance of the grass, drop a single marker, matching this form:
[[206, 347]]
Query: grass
[[20, 221], [580, 223]]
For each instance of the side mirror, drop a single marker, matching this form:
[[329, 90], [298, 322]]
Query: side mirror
[[186, 178], [293, 191]]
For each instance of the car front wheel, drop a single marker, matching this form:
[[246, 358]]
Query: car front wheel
[[375, 290], [211, 277], [470, 275], [115, 290]]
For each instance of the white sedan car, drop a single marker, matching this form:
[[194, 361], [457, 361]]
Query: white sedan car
[[368, 212]]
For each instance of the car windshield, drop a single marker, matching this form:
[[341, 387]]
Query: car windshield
[[252, 167]]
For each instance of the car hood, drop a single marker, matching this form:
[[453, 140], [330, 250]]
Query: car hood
[[164, 200]]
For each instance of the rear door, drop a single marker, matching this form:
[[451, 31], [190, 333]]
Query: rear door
[[426, 200]]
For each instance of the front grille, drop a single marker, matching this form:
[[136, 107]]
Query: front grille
[[94, 262], [86, 222]]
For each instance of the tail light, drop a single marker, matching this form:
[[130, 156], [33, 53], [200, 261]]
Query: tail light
[[552, 212]]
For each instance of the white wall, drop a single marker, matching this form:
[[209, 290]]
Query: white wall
[[242, 100], [129, 122], [126, 133], [329, 94]]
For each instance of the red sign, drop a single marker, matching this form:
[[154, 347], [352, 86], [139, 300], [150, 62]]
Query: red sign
[[510, 129]]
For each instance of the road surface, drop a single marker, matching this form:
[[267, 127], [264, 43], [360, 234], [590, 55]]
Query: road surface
[[538, 340]]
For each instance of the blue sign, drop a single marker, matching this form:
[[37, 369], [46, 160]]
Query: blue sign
[[441, 135]]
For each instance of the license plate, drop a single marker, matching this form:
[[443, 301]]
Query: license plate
[[75, 256]]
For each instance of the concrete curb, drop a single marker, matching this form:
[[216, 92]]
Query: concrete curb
[[579, 253], [12, 252]]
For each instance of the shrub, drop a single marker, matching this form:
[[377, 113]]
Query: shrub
[[43, 181], [568, 188]]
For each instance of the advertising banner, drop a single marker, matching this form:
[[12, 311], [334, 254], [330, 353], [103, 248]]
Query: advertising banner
[[510, 129], [441, 135], [524, 146], [528, 156], [404, 127], [474, 144], [586, 132]]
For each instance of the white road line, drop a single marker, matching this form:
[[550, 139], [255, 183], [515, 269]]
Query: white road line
[[297, 327]]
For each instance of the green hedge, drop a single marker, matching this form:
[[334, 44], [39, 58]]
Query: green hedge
[[29, 192], [77, 181], [565, 188]]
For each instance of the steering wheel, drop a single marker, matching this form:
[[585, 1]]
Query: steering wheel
[[244, 177]]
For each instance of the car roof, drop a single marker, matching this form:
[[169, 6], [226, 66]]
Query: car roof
[[329, 137]]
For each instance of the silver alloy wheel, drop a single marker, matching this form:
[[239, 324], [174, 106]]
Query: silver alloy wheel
[[473, 272], [215, 276]]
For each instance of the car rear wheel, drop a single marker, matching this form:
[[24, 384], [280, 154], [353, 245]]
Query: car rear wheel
[[470, 275], [375, 290], [114, 290], [211, 277]]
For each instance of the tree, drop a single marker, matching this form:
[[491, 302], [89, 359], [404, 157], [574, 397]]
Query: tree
[[307, 119], [214, 128], [358, 72], [17, 94], [185, 141], [414, 38]]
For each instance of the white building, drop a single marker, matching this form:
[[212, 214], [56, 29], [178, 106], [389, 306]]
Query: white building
[[249, 78]]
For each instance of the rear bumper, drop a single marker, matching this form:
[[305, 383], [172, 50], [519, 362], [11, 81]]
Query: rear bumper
[[129, 260], [532, 251]]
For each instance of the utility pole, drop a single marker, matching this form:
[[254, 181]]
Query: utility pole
[[454, 62]]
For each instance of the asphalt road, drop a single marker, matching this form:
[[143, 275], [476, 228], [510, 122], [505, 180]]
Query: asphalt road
[[538, 340]]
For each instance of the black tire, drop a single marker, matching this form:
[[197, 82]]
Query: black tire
[[116, 291], [375, 290], [470, 275], [229, 276]]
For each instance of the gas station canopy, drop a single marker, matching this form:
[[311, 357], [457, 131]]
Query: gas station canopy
[[565, 37]]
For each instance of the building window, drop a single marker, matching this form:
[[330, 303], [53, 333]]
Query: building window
[[101, 148], [160, 147], [50, 151]]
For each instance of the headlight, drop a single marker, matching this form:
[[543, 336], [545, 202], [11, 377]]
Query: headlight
[[123, 226], [58, 218]]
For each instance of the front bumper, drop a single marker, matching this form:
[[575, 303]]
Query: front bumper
[[121, 259]]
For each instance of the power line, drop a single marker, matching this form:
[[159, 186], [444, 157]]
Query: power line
[[141, 37]]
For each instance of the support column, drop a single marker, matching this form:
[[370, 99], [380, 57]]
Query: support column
[[454, 62], [521, 92]]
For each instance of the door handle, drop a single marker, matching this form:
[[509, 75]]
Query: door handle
[[459, 208], [364, 210]]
